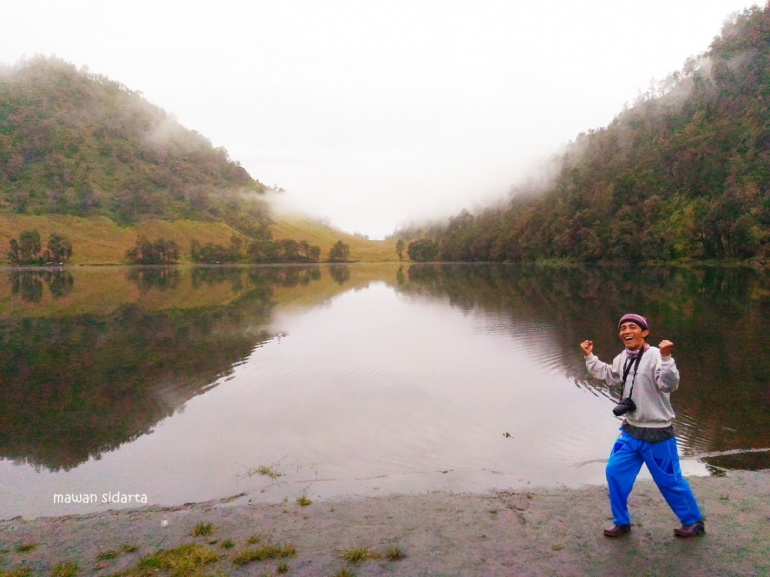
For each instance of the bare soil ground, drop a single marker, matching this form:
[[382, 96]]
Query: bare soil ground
[[542, 532]]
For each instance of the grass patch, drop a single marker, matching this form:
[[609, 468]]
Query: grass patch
[[107, 555], [394, 554], [26, 547], [65, 570], [202, 529], [182, 561], [358, 555], [344, 573], [282, 568], [263, 471], [556, 547], [227, 544], [20, 572], [303, 501], [253, 540], [115, 553], [264, 553]]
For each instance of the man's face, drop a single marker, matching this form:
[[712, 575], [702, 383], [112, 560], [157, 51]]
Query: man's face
[[632, 335]]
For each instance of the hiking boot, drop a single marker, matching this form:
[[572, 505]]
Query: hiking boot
[[617, 530], [690, 530]]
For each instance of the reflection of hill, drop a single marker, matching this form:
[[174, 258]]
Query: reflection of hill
[[102, 290], [76, 386], [717, 317], [94, 358]]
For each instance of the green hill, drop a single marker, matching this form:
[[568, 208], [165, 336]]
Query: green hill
[[77, 143], [682, 174], [84, 156]]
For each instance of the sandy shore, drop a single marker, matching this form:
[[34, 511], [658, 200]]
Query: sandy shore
[[541, 532]]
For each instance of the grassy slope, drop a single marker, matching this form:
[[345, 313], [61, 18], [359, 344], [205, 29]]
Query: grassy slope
[[98, 240], [318, 234]]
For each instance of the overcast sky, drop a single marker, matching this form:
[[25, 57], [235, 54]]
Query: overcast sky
[[374, 113]]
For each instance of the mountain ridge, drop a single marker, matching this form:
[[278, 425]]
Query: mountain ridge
[[682, 174]]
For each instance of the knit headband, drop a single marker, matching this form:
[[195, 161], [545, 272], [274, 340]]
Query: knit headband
[[636, 319]]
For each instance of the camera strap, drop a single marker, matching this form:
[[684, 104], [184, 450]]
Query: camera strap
[[627, 369]]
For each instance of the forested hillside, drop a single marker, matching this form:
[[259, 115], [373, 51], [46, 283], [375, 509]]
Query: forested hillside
[[684, 173], [77, 143]]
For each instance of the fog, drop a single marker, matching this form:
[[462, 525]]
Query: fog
[[373, 114]]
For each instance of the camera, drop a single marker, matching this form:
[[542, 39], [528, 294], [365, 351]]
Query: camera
[[624, 406]]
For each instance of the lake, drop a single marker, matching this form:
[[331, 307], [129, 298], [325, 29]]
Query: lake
[[186, 384]]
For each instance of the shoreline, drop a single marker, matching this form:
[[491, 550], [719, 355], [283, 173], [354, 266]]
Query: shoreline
[[546, 531]]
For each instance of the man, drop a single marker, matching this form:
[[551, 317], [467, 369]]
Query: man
[[647, 376]]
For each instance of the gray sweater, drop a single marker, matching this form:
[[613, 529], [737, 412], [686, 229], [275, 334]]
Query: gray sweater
[[657, 377]]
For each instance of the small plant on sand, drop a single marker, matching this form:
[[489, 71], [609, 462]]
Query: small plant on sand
[[556, 547], [357, 555], [182, 561], [227, 544], [253, 540], [26, 547], [264, 471], [344, 573], [303, 501], [394, 554], [20, 572], [107, 555], [65, 570], [115, 553], [282, 568], [202, 529], [264, 553]]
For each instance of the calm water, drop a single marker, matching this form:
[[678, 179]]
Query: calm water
[[355, 380]]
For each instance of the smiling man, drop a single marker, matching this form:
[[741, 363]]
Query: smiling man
[[647, 376]]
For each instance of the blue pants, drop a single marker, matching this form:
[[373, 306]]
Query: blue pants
[[662, 460]]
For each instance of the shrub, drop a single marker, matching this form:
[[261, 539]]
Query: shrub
[[340, 252], [161, 251]]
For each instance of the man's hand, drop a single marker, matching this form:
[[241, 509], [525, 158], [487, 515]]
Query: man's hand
[[665, 348], [588, 347]]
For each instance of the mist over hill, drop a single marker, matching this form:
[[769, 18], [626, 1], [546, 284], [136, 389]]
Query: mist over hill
[[682, 174], [77, 143]]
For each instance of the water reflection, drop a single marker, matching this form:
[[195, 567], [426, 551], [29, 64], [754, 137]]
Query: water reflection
[[430, 362], [716, 316], [74, 387], [340, 273], [28, 284], [158, 278]]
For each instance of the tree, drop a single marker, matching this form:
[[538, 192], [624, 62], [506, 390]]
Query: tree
[[59, 248], [263, 252], [339, 252], [423, 250], [161, 251], [213, 253], [27, 249], [400, 246]]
